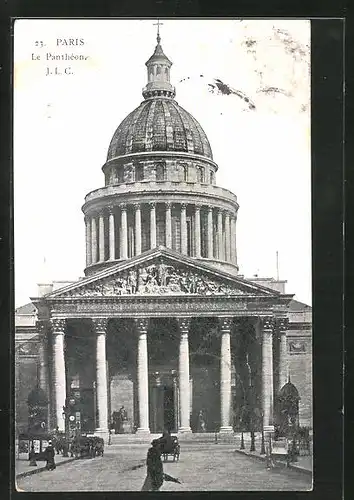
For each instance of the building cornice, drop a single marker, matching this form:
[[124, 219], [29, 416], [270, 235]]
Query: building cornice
[[162, 154]]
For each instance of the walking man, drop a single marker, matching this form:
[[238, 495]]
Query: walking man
[[155, 476]]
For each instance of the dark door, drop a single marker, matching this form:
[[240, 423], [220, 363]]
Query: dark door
[[169, 409]]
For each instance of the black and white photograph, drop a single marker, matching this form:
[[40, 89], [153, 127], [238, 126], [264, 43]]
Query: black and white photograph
[[162, 245]]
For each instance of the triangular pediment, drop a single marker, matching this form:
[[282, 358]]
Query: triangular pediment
[[162, 272]]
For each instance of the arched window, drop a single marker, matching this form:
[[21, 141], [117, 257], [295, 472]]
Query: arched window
[[183, 173], [212, 177], [200, 174], [160, 171]]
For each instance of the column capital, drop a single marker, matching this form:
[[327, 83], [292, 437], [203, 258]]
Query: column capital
[[137, 206], [100, 324], [282, 324], [183, 324], [198, 206], [123, 207], [152, 205], [142, 324], [209, 208], [183, 206], [58, 326], [168, 204], [225, 324], [87, 218], [267, 323], [110, 209]]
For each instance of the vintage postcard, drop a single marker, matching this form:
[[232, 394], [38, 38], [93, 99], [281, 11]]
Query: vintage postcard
[[162, 228]]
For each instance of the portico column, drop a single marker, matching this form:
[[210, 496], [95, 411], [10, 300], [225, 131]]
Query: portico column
[[184, 387], [183, 229], [233, 240], [197, 232], [210, 233], [43, 356], [220, 236], [283, 352], [267, 371], [101, 374], [152, 225], [137, 229], [59, 375], [112, 236], [94, 238], [124, 231], [168, 225], [225, 375], [88, 240], [101, 235], [227, 237], [142, 375]]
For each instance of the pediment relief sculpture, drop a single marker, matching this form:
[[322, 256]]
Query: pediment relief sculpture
[[157, 279]]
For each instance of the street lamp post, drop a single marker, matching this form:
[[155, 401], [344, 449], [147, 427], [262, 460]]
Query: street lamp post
[[66, 430]]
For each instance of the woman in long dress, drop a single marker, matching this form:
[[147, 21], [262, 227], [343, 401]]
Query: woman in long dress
[[154, 477]]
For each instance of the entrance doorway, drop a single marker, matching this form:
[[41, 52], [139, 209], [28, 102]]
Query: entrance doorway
[[169, 409], [163, 407]]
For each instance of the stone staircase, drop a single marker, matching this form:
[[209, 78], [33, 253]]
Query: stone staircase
[[192, 438]]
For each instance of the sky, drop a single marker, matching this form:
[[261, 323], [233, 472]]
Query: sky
[[259, 132]]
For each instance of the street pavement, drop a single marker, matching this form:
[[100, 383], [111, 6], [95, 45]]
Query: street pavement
[[202, 467]]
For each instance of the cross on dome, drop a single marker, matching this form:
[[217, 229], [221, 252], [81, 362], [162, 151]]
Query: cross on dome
[[158, 24]]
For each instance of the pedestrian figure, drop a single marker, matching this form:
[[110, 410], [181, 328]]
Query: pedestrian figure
[[154, 476], [50, 454], [201, 422], [32, 457]]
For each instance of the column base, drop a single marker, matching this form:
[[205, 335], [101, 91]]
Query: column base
[[102, 433], [226, 430], [184, 430], [142, 431]]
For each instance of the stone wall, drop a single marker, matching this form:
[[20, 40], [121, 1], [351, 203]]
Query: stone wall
[[300, 370]]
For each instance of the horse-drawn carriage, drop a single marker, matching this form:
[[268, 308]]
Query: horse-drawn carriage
[[170, 447]]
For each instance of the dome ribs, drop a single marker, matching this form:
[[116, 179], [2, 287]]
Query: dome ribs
[[169, 127], [149, 131], [159, 134], [132, 129], [179, 136], [139, 143], [117, 145], [187, 130], [159, 124]]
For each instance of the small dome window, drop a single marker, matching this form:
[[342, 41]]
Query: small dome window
[[212, 177], [160, 171], [200, 174]]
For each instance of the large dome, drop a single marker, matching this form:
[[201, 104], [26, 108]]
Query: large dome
[[159, 124]]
